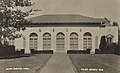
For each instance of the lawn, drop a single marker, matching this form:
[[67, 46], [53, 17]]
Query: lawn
[[95, 63], [32, 64]]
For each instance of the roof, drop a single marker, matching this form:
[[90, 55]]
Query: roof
[[109, 36], [65, 18]]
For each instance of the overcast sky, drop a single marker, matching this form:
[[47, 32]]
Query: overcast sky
[[92, 8]]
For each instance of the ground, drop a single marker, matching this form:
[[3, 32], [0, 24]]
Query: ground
[[95, 63], [62, 63], [32, 64]]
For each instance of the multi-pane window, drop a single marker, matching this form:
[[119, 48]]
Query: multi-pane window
[[74, 41], [33, 41], [109, 38], [46, 41], [87, 41], [60, 41], [11, 41]]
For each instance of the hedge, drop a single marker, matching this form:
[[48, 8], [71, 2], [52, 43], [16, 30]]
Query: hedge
[[41, 51], [78, 51]]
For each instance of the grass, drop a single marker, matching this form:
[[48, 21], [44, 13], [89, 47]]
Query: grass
[[94, 63], [33, 64]]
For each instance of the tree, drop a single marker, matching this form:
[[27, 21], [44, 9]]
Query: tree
[[115, 23], [12, 19], [103, 44]]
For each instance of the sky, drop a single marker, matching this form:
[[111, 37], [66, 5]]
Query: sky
[[92, 8]]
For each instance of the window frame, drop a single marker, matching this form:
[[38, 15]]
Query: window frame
[[46, 41], [73, 41], [87, 41], [33, 41]]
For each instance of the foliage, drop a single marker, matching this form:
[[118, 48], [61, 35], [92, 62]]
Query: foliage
[[103, 44], [110, 48], [12, 19], [115, 23], [119, 37]]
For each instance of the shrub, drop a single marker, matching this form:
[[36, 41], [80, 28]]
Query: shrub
[[7, 50], [97, 51], [103, 44], [110, 48], [117, 49], [41, 51], [78, 51]]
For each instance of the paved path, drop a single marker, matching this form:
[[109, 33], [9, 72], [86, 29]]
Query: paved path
[[59, 63]]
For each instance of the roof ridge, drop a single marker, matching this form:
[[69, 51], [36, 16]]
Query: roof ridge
[[66, 15], [65, 18]]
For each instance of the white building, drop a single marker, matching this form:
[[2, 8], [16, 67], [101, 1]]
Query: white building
[[64, 32]]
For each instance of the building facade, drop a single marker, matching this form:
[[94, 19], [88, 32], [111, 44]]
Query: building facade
[[65, 32]]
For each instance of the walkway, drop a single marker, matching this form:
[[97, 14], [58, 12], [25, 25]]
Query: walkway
[[59, 63]]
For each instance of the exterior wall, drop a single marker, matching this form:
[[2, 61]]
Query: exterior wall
[[19, 44], [96, 32]]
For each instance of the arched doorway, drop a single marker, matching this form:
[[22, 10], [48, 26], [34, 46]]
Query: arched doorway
[[74, 41], [60, 42], [33, 41], [87, 41], [46, 41]]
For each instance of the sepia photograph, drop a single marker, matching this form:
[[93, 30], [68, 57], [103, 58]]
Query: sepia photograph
[[59, 36]]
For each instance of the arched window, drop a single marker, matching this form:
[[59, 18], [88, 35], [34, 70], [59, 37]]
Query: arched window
[[87, 41], [33, 43], [60, 42], [46, 41], [73, 41]]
